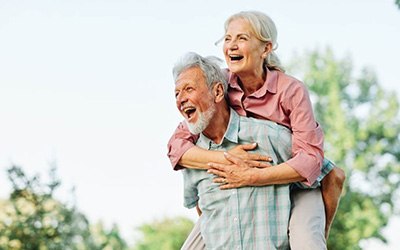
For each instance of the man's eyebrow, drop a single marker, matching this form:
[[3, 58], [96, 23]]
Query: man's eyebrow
[[181, 86]]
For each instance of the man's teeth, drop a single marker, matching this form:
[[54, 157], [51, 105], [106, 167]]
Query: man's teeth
[[189, 110]]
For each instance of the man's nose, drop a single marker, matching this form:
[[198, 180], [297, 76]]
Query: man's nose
[[181, 98]]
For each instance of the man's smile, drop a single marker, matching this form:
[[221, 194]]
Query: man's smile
[[188, 112]]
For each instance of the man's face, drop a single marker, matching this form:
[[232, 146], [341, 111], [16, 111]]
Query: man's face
[[194, 100]]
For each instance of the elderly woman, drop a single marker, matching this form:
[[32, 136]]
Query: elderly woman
[[258, 87]]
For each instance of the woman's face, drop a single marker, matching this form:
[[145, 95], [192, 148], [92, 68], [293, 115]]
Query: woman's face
[[244, 53]]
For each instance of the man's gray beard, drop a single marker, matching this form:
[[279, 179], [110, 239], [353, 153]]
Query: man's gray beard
[[203, 121]]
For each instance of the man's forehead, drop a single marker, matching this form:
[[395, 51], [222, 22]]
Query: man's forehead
[[190, 76]]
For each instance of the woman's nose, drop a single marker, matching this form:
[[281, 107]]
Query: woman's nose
[[232, 45]]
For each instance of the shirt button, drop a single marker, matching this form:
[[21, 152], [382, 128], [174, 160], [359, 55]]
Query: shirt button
[[235, 219]]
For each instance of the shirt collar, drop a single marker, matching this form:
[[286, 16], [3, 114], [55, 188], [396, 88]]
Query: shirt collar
[[231, 132], [269, 85]]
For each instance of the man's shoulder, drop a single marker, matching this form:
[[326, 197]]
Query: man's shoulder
[[260, 123], [256, 130]]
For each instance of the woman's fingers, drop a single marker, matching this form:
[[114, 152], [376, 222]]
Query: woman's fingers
[[219, 180], [258, 164], [217, 172], [228, 186], [233, 159], [225, 183], [258, 157], [262, 158], [218, 166], [248, 147]]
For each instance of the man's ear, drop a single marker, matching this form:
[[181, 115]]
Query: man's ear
[[218, 92]]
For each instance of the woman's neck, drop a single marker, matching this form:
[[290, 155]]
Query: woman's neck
[[250, 83]]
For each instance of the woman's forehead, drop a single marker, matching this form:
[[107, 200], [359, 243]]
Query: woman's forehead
[[239, 26]]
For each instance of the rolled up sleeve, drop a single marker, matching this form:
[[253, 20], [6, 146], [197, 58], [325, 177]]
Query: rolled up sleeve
[[180, 142], [307, 137]]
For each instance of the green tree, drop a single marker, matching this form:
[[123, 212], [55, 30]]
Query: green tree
[[33, 219], [166, 234], [107, 239], [361, 125], [398, 3]]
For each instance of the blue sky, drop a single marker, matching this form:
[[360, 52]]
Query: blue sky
[[87, 84]]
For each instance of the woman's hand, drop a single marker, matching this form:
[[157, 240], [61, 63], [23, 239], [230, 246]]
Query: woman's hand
[[237, 174], [251, 159]]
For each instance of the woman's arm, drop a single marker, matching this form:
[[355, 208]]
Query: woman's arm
[[180, 142], [198, 158], [183, 153], [307, 135], [239, 174]]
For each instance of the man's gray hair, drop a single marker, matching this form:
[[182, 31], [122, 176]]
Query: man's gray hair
[[208, 65]]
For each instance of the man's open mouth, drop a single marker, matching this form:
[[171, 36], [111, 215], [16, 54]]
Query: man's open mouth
[[189, 111]]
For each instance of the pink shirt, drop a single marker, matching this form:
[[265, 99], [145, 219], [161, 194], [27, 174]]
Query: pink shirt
[[282, 99]]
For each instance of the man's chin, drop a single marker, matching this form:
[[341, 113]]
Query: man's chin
[[194, 128], [202, 121]]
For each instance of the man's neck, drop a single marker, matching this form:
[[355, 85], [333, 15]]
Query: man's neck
[[218, 124]]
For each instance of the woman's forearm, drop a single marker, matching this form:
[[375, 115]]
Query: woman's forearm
[[239, 174], [198, 158], [280, 174]]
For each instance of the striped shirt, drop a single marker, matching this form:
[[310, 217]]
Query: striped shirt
[[247, 217]]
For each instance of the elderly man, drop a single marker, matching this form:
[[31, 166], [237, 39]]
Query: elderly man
[[247, 217], [243, 218]]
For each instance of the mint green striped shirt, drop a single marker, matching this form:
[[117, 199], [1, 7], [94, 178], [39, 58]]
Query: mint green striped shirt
[[247, 217]]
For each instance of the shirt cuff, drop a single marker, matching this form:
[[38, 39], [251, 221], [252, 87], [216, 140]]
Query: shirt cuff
[[306, 166]]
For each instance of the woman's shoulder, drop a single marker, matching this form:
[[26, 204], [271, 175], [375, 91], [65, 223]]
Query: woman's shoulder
[[286, 82], [287, 79]]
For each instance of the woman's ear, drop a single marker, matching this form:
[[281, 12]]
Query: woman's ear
[[267, 49], [218, 91]]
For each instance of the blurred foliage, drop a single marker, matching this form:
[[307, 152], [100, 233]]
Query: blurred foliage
[[398, 3], [107, 239], [166, 234], [362, 131], [32, 219]]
